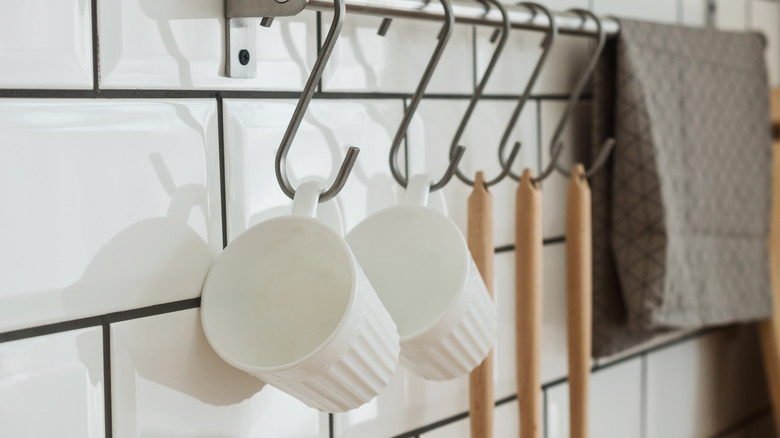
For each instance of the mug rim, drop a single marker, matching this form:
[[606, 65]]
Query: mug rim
[[464, 259], [351, 302]]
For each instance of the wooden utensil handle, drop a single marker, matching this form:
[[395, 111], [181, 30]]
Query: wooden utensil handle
[[579, 293], [528, 303], [480, 242]]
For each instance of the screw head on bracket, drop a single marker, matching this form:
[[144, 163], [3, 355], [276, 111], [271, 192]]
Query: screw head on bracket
[[243, 56]]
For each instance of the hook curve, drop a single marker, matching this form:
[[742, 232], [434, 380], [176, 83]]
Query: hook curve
[[339, 11], [547, 44], [575, 95], [444, 36], [506, 26]]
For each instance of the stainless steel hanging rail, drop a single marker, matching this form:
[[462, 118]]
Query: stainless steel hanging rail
[[244, 16], [471, 12]]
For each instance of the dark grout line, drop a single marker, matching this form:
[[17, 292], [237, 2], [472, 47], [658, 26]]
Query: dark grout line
[[331, 428], [548, 241], [107, 408], [94, 321], [95, 47], [240, 94], [745, 422], [222, 176]]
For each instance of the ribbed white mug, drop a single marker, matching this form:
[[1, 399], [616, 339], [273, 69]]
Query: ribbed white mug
[[420, 266], [287, 302]]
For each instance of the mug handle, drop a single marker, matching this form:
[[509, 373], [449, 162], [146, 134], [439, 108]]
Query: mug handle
[[306, 204], [418, 192]]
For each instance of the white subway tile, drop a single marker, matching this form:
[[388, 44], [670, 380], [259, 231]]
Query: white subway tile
[[179, 44], [253, 132], [166, 380], [615, 403], [506, 423], [45, 44], [731, 14], [554, 347], [766, 18], [694, 13], [513, 69], [52, 386], [431, 133], [701, 387], [365, 61], [648, 10], [576, 142], [408, 402], [108, 205]]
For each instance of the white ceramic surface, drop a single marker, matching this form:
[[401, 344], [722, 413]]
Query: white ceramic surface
[[506, 424], [45, 44], [765, 17], [694, 13], [253, 130], [513, 69], [701, 387], [166, 380], [732, 14], [287, 302], [179, 44], [664, 11], [575, 138], [107, 205], [430, 135], [364, 61], [615, 404], [418, 261], [53, 386]]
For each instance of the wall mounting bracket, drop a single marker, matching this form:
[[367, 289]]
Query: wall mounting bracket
[[242, 18]]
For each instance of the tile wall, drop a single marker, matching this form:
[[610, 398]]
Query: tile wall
[[127, 161]]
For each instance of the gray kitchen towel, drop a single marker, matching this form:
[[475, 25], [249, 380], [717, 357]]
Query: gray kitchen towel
[[681, 212]]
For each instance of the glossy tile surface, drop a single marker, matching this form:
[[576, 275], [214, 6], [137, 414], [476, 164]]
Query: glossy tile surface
[[108, 205], [664, 11], [765, 17], [576, 142], [615, 405], [52, 386], [506, 424], [430, 136], [179, 44], [167, 380], [702, 386], [365, 61], [45, 44], [254, 130]]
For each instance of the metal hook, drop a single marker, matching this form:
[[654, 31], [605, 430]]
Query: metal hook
[[546, 45], [339, 10], [576, 92], [444, 36], [454, 147]]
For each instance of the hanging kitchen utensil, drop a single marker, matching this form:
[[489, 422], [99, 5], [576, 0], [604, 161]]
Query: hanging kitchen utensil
[[480, 242], [528, 256], [770, 329], [579, 260]]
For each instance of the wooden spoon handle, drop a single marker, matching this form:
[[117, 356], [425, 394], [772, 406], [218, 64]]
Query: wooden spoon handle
[[579, 293], [480, 242], [528, 303]]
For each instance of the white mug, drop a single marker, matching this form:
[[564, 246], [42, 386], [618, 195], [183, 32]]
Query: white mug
[[287, 302], [420, 266]]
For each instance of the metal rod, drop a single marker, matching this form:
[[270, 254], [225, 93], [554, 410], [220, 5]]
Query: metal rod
[[472, 13]]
